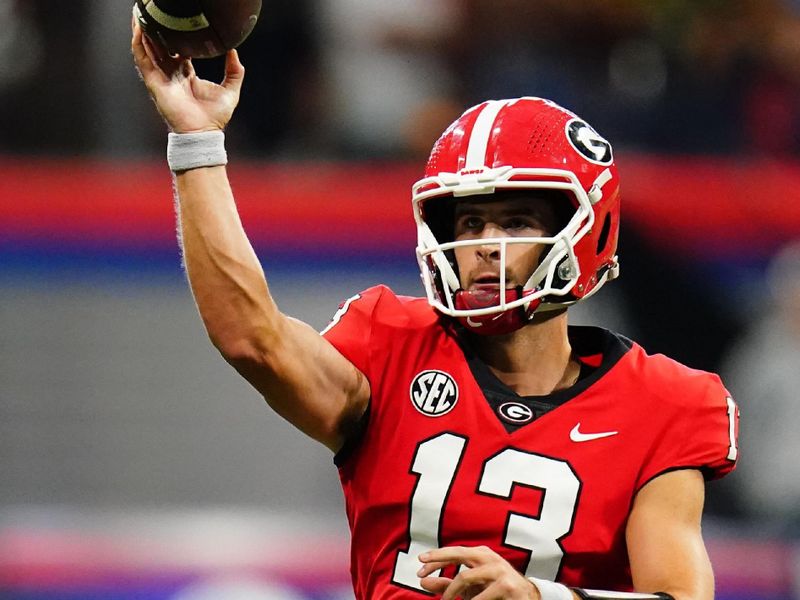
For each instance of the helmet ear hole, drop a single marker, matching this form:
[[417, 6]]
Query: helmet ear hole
[[564, 207], [439, 214], [603, 239]]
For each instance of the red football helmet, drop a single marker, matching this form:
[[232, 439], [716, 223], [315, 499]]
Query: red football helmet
[[519, 144]]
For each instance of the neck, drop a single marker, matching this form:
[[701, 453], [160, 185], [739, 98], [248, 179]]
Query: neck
[[535, 360]]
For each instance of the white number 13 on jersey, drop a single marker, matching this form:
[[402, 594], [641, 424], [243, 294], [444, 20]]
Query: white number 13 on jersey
[[436, 462]]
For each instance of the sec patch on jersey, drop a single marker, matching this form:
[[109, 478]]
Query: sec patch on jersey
[[197, 28], [434, 393]]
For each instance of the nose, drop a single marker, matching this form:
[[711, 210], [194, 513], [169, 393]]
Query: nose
[[490, 251]]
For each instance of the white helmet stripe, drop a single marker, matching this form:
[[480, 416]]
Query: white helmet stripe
[[481, 131]]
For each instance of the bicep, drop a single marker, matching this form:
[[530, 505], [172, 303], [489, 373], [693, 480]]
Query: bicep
[[308, 382], [665, 543]]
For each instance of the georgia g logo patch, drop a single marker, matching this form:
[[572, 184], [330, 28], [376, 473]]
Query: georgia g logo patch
[[434, 393], [515, 412], [588, 142]]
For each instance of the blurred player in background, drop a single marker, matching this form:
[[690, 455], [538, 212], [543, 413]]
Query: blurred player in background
[[761, 370], [486, 449]]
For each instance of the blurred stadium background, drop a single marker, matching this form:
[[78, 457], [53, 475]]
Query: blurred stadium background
[[134, 464]]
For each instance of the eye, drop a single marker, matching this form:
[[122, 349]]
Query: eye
[[518, 223], [524, 225], [473, 222], [470, 223]]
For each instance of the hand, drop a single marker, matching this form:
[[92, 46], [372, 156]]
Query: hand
[[488, 576], [187, 103]]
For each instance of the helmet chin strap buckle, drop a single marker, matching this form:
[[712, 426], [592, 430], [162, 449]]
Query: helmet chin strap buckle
[[595, 192]]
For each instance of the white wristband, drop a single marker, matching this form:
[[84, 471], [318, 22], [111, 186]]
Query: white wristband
[[550, 590], [194, 150]]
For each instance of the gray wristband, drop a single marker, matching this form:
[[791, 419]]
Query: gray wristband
[[550, 590], [194, 150]]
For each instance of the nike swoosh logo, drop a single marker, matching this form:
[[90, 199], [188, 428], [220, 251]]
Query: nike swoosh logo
[[576, 436]]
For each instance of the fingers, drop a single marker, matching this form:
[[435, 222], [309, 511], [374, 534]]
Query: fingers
[[187, 68], [488, 576], [153, 51], [437, 559], [169, 65], [151, 60], [483, 583], [435, 585], [432, 567], [466, 579], [470, 580], [234, 72], [461, 555], [141, 59]]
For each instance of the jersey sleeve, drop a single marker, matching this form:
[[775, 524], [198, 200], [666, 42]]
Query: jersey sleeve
[[350, 329], [700, 431]]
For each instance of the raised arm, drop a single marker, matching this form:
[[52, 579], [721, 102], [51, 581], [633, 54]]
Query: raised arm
[[301, 375]]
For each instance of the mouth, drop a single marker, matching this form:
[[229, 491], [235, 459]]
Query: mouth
[[487, 282]]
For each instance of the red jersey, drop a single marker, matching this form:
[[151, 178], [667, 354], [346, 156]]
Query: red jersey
[[449, 455]]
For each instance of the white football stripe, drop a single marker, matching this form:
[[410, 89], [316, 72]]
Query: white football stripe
[[194, 23], [482, 130]]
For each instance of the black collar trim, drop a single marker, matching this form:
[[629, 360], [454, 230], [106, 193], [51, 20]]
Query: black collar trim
[[585, 342]]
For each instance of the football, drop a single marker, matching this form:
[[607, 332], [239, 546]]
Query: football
[[197, 28]]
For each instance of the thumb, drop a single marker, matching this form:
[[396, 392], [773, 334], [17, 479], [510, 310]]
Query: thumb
[[234, 72]]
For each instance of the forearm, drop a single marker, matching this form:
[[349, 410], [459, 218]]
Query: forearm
[[224, 273], [549, 590], [665, 543]]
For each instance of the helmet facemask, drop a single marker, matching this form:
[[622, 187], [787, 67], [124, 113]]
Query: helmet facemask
[[548, 286]]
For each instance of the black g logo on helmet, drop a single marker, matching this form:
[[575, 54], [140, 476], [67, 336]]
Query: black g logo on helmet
[[588, 142]]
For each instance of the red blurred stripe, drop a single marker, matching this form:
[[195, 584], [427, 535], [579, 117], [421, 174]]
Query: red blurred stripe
[[357, 205], [730, 205], [686, 203]]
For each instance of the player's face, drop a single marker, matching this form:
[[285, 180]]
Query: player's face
[[479, 266]]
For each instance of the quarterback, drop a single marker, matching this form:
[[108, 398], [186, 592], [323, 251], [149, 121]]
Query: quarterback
[[486, 449]]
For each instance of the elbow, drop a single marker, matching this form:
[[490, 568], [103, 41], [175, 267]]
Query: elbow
[[240, 352], [244, 344], [252, 348]]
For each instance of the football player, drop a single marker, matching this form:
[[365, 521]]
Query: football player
[[486, 449]]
